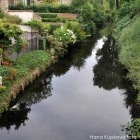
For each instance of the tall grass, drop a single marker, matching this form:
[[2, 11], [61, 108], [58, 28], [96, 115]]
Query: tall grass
[[129, 56]]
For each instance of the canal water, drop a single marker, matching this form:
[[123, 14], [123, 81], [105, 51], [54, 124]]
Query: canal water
[[83, 96]]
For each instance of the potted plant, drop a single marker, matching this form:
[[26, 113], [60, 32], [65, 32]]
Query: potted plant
[[5, 61]]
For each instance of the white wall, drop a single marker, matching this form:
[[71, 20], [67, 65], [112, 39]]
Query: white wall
[[25, 28], [24, 15]]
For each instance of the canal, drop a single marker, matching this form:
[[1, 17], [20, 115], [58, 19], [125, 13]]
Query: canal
[[83, 95]]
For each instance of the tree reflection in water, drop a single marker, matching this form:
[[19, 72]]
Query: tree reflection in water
[[110, 74], [38, 90], [41, 88]]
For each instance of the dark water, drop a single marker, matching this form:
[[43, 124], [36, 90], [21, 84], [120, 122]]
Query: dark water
[[85, 94]]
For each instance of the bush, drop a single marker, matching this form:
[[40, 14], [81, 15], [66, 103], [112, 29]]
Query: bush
[[4, 71], [124, 10], [2, 88], [64, 35], [13, 19], [78, 3], [129, 40], [48, 15], [51, 20], [35, 24], [77, 29], [53, 27], [45, 8]]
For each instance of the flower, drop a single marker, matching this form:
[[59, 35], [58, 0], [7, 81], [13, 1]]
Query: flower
[[25, 47]]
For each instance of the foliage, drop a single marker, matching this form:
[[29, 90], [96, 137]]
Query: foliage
[[1, 51], [2, 88], [57, 20], [8, 32], [2, 14], [87, 12], [121, 24], [128, 41], [64, 35], [89, 28], [78, 3], [18, 46], [12, 73], [53, 27], [45, 8], [13, 19], [48, 15], [124, 10], [4, 71], [112, 3], [77, 29], [132, 128], [35, 24], [50, 1], [46, 27]]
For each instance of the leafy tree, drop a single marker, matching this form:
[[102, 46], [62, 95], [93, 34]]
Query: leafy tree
[[87, 12], [78, 3]]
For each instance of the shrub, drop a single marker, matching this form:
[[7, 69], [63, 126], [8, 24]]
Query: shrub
[[132, 128], [53, 27], [51, 20], [124, 10], [1, 51], [48, 15], [35, 24], [45, 8], [46, 27], [4, 71], [78, 3], [129, 40], [77, 29], [2, 88], [64, 35], [14, 19]]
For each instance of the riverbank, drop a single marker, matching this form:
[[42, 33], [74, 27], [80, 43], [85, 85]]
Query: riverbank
[[21, 73]]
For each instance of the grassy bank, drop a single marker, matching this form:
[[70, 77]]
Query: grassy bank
[[22, 72], [127, 35], [128, 39]]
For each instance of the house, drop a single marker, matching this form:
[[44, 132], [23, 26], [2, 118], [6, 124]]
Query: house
[[13, 2], [4, 5]]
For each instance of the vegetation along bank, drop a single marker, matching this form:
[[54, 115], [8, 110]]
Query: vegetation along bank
[[58, 36], [123, 15]]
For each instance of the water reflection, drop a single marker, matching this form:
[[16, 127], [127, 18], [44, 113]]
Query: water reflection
[[108, 71], [41, 88], [110, 74]]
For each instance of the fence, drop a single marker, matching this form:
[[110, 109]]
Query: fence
[[32, 39]]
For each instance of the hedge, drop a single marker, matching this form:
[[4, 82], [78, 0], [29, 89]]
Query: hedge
[[45, 8], [57, 20], [48, 15]]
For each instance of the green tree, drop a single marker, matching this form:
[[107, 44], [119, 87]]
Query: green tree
[[78, 3], [7, 33], [87, 12]]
